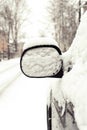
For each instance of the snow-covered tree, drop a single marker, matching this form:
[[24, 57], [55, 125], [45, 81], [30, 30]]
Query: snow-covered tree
[[63, 16], [12, 15]]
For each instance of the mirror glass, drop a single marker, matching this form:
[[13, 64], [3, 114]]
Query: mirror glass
[[40, 62]]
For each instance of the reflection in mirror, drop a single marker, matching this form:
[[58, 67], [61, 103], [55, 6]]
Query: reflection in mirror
[[41, 62]]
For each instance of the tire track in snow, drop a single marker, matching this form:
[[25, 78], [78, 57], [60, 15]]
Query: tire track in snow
[[9, 72], [8, 68], [6, 84]]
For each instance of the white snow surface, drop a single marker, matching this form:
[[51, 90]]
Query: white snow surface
[[41, 62], [74, 83], [22, 100]]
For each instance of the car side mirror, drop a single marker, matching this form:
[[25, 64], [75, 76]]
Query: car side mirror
[[42, 61]]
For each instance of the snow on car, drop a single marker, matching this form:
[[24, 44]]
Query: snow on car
[[74, 83]]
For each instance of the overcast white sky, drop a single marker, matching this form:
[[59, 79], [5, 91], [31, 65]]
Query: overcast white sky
[[38, 18]]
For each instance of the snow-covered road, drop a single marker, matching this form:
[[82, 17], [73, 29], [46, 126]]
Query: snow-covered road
[[9, 72], [22, 100]]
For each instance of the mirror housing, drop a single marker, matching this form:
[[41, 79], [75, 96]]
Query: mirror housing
[[42, 61]]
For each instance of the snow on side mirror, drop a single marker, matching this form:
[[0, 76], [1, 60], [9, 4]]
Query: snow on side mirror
[[42, 61]]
